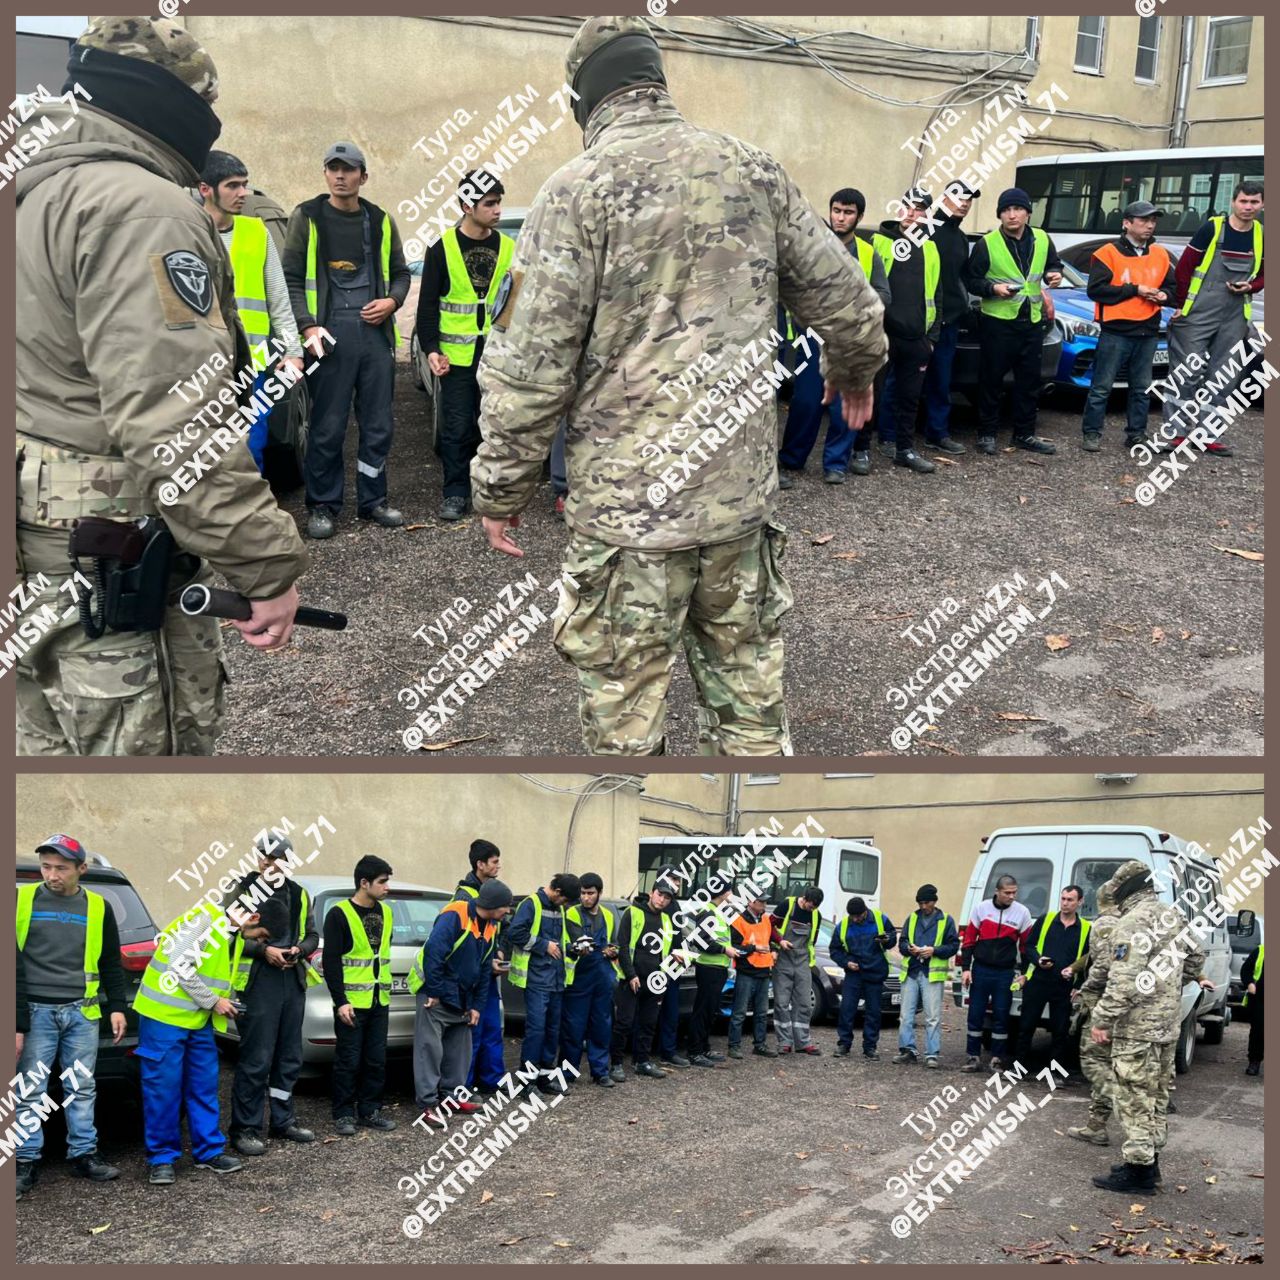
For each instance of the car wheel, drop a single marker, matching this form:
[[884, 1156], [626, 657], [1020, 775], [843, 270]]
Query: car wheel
[[820, 1011], [1186, 1048], [1214, 1031]]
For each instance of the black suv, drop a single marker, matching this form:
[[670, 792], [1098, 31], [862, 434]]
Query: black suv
[[116, 1062]]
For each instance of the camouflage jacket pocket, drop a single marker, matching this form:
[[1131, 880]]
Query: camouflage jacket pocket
[[776, 597], [583, 630]]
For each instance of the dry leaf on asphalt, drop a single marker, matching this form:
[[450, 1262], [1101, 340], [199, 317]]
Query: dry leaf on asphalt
[[445, 746], [1022, 500], [1236, 551], [946, 462], [486, 1197], [410, 527], [563, 1244], [503, 1244], [821, 539], [1184, 635], [846, 555], [1055, 643], [1018, 715], [802, 1155], [93, 1231], [942, 746], [1157, 634]]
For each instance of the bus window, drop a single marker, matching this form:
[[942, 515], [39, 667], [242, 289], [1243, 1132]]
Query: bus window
[[1183, 188], [1035, 881], [1122, 184], [1091, 874], [859, 872], [1037, 182], [1074, 198]]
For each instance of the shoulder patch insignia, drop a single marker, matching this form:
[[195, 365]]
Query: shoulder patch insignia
[[189, 275], [1122, 950]]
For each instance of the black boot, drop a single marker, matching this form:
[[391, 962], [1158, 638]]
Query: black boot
[[1129, 1178], [1155, 1170]]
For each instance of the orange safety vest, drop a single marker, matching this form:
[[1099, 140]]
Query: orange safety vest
[[460, 909], [1149, 269], [759, 934]]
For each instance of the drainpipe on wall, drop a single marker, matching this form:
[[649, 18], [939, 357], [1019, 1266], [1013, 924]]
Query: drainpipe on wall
[[1178, 129], [732, 814]]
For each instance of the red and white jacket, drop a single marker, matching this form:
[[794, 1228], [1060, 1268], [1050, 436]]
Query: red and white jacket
[[994, 935]]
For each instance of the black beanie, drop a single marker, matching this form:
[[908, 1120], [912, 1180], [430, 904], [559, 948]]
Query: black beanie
[[927, 893]]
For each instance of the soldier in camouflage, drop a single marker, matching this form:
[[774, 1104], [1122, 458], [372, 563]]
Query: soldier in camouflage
[[661, 248], [123, 290], [1095, 1059], [1139, 1013]]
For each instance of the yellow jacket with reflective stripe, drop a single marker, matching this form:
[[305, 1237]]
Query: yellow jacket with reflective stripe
[[175, 1007], [358, 962], [459, 327], [1003, 269], [1198, 275], [249, 267], [91, 1004]]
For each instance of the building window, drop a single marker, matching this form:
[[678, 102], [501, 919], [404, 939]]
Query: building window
[[848, 775], [762, 779], [1032, 48], [1089, 37], [1148, 60], [1226, 51]]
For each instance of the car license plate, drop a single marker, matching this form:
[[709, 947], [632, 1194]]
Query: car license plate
[[1161, 357], [400, 986], [897, 999]]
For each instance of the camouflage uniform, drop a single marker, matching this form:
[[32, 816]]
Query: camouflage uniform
[[1143, 1026], [660, 245], [1095, 1059], [103, 333]]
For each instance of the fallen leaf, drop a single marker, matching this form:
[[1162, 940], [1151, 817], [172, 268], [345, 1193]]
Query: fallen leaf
[[93, 1231], [868, 1106], [1022, 500], [1127, 479], [488, 1195], [1018, 715], [1157, 634], [408, 527], [1137, 1208], [563, 1244], [946, 462], [1211, 1180], [802, 1155], [550, 1195], [503, 1244], [942, 746], [328, 1215], [266, 1208], [1027, 1215], [1126, 502], [1255, 1175], [1055, 643], [1181, 1187], [325, 1141], [821, 539], [1184, 635], [634, 1120], [1235, 551], [454, 742], [846, 555], [1073, 1225]]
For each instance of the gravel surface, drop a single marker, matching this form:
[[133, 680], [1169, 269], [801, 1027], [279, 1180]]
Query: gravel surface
[[761, 1160], [1165, 631]]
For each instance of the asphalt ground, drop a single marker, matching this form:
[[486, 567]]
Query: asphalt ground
[[1164, 629], [761, 1161]]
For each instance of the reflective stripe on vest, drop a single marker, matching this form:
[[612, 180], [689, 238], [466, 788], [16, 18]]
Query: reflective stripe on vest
[[1003, 269], [1257, 971], [56, 486], [357, 964], [96, 911], [1149, 268], [937, 966], [571, 960], [719, 932], [242, 965], [460, 329], [175, 1007], [309, 280], [932, 273], [844, 927], [1044, 933], [1198, 275], [757, 933], [813, 927], [249, 267], [519, 972], [470, 929], [636, 915]]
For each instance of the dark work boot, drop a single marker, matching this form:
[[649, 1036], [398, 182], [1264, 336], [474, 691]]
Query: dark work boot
[[1155, 1170], [1128, 1178]]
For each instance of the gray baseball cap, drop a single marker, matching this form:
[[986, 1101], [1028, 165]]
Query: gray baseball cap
[[348, 153], [1142, 209]]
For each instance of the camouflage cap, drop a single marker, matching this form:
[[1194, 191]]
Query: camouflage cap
[[1106, 900], [595, 33], [1125, 872], [159, 41]]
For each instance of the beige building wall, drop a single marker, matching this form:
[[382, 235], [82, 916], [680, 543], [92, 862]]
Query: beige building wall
[[928, 826]]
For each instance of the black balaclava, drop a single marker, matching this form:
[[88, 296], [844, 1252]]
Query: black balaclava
[[148, 96], [620, 64]]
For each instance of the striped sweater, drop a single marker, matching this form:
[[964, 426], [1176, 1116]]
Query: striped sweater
[[995, 935]]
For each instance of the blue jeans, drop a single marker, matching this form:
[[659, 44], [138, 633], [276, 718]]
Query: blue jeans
[[1118, 353], [989, 984], [856, 987], [937, 384], [588, 1016], [750, 995], [804, 418], [179, 1070], [486, 1042], [258, 433], [541, 1027], [916, 991], [61, 1031]]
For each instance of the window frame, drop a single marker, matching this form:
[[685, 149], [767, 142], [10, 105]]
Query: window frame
[[1101, 38], [1154, 78], [1213, 23]]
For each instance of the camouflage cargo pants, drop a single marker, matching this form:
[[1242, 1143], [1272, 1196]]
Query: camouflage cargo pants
[[631, 611], [1095, 1064], [122, 694], [1142, 1072]]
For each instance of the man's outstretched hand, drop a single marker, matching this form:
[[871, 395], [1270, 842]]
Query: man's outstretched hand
[[497, 529], [857, 405]]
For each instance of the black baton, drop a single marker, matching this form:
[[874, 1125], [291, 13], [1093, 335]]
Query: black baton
[[200, 600]]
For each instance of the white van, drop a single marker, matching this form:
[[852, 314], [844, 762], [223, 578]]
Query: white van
[[1044, 860]]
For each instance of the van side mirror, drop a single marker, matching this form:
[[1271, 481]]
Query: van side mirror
[[1244, 924]]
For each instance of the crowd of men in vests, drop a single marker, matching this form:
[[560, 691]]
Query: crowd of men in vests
[[595, 980]]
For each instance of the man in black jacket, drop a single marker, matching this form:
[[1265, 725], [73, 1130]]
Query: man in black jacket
[[1130, 280], [347, 278], [1053, 956], [645, 937], [271, 981], [1251, 980]]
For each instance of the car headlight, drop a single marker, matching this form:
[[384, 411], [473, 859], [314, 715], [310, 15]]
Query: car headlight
[[1071, 328], [831, 971]]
